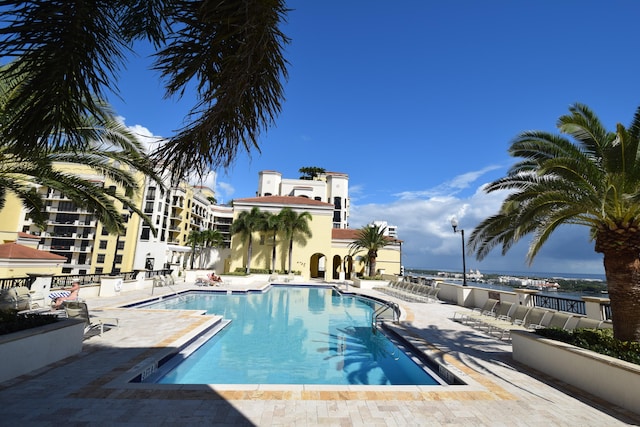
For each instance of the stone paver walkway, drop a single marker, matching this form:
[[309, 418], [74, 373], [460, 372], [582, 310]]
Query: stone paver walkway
[[92, 388]]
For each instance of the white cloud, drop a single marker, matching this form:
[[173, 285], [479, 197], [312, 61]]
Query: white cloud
[[424, 225], [150, 141], [450, 187], [224, 190]]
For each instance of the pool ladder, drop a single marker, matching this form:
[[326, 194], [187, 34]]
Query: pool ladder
[[376, 317]]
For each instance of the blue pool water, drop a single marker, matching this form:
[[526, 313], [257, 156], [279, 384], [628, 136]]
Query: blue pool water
[[292, 335]]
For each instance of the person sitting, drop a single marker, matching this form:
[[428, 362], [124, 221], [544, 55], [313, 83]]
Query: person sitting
[[72, 296], [213, 279]]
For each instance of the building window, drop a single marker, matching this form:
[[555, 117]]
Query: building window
[[118, 259], [120, 245], [100, 259], [66, 270], [337, 202], [146, 231], [99, 270], [104, 232], [151, 194], [148, 207], [102, 244]]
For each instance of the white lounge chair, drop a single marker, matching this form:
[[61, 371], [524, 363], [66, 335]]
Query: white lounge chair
[[79, 310]]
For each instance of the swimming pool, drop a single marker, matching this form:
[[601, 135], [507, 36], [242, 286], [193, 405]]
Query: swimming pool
[[291, 335]]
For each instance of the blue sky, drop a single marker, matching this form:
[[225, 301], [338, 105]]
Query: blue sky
[[417, 101]]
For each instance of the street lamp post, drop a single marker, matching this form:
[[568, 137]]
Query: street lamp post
[[454, 224]]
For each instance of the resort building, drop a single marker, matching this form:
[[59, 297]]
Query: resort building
[[328, 187], [326, 254], [175, 211]]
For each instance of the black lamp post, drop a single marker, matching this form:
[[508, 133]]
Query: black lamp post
[[454, 224]]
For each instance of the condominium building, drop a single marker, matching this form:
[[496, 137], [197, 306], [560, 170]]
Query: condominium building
[[73, 232]]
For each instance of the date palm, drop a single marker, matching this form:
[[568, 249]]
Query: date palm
[[370, 238], [272, 223], [113, 153], [295, 227], [592, 180], [230, 53], [245, 225]]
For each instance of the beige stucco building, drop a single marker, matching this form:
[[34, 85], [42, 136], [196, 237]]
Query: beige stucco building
[[325, 255]]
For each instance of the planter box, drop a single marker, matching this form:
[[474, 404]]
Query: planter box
[[25, 351], [369, 284], [609, 378]]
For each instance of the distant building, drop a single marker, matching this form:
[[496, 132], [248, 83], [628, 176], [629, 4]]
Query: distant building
[[389, 230], [329, 187]]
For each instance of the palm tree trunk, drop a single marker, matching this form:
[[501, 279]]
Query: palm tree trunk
[[622, 269], [249, 255], [372, 266], [273, 254], [290, 253]]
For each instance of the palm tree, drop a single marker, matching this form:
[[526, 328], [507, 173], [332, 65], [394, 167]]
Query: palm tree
[[246, 224], [211, 239], [272, 223], [370, 238], [114, 153], [593, 181], [200, 240], [229, 53], [295, 226], [195, 240]]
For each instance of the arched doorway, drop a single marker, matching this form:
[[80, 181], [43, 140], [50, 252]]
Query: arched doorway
[[318, 266], [337, 267]]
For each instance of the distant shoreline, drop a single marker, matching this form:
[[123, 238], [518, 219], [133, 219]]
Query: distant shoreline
[[525, 274]]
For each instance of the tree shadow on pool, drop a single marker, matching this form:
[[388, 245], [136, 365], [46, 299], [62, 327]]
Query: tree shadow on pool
[[362, 353]]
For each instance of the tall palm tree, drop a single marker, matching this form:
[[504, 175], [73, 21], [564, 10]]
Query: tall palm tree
[[246, 224], [211, 239], [593, 181], [295, 226], [230, 53], [370, 238], [272, 223], [195, 240], [114, 153]]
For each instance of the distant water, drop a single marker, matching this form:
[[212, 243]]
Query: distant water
[[534, 274], [545, 275], [531, 275]]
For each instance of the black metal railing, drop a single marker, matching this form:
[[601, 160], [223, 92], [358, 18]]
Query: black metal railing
[[58, 282], [13, 282], [560, 304]]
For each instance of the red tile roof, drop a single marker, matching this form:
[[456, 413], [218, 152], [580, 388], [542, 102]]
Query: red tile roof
[[17, 251], [24, 235], [351, 234], [284, 200]]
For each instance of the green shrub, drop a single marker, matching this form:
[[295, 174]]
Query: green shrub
[[600, 341], [11, 321]]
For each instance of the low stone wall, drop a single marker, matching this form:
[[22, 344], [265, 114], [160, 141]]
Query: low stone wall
[[25, 351], [611, 379]]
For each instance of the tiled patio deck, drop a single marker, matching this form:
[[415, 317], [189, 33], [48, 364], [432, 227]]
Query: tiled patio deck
[[90, 389]]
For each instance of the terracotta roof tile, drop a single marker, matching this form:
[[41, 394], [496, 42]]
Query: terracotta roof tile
[[24, 235], [351, 234], [16, 251], [284, 200]]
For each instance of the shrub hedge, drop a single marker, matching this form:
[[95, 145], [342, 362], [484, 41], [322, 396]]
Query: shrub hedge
[[11, 321], [600, 341]]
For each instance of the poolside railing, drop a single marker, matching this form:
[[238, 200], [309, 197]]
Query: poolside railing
[[567, 305]]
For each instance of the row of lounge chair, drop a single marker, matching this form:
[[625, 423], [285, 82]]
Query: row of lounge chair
[[408, 291], [500, 318]]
